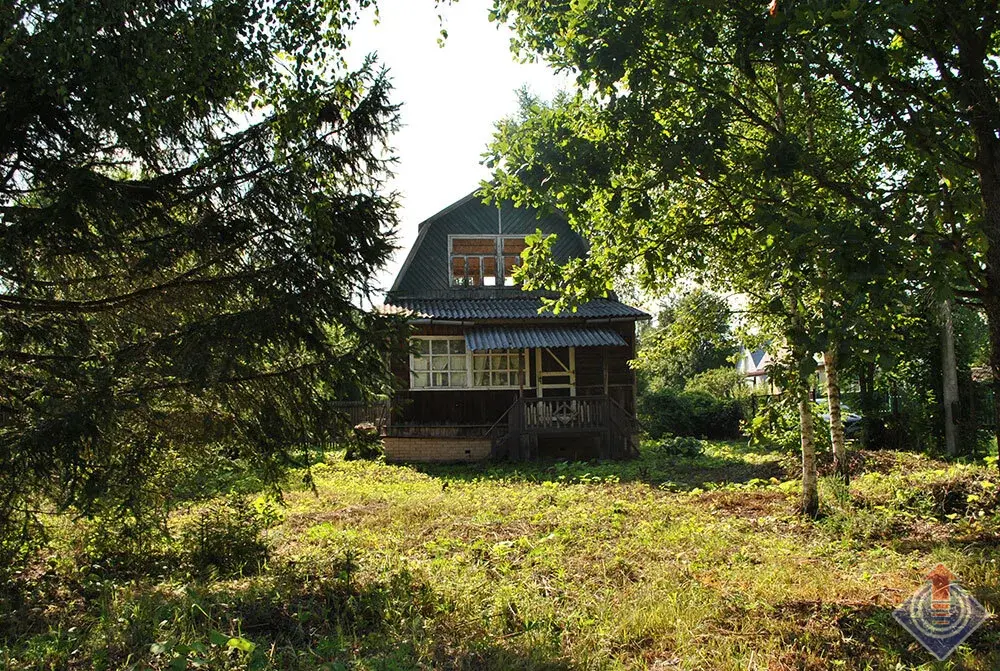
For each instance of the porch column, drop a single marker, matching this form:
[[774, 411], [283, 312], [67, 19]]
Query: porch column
[[604, 365]]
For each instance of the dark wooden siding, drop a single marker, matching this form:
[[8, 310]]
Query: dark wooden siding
[[621, 378], [484, 407]]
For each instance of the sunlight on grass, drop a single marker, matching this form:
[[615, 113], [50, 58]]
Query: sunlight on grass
[[666, 562]]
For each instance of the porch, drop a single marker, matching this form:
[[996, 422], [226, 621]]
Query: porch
[[524, 431]]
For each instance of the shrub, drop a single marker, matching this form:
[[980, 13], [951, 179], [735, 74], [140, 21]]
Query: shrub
[[667, 412], [126, 544], [229, 535], [680, 446], [720, 383], [364, 443], [777, 424]]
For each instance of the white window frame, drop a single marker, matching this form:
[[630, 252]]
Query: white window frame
[[469, 355], [512, 373]]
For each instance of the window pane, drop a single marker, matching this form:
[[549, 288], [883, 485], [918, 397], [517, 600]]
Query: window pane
[[420, 380], [457, 363], [439, 346], [440, 379], [480, 362], [420, 362], [423, 345], [458, 346], [498, 362], [439, 363], [481, 379], [500, 379]]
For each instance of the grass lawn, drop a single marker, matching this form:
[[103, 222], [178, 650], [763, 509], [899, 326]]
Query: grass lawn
[[662, 563]]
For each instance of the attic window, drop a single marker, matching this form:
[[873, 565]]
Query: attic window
[[484, 261]]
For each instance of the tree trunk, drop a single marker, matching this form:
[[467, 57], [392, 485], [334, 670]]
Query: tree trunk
[[950, 381], [992, 305], [840, 466], [990, 185], [810, 492]]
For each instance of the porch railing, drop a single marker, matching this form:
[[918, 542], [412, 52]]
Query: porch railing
[[562, 414]]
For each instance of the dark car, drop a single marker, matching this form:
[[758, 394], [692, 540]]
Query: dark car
[[850, 419]]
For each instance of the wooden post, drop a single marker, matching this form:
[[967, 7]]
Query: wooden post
[[604, 363], [522, 369]]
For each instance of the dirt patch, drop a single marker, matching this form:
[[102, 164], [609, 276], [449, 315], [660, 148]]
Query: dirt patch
[[884, 461], [749, 504], [353, 513]]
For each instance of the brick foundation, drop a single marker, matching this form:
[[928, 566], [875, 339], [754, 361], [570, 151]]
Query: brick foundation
[[436, 449]]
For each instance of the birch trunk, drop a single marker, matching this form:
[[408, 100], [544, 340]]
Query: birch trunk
[[840, 466], [810, 492]]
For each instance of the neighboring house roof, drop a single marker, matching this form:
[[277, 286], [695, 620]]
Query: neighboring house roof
[[425, 272], [519, 337], [520, 307], [757, 356], [982, 374]]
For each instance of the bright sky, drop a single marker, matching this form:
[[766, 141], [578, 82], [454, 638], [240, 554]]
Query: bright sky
[[451, 98]]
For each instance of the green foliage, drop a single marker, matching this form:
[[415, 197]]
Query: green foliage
[[839, 144], [776, 424], [692, 336], [902, 405], [122, 544], [680, 446], [724, 382], [191, 204], [229, 536], [364, 443], [667, 412]]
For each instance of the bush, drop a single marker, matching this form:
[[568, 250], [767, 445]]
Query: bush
[[667, 412], [364, 443], [720, 383], [777, 425], [126, 544], [680, 446], [229, 535]]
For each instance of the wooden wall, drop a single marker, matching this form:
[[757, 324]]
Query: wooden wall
[[475, 407]]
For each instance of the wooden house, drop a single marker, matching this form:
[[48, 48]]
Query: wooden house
[[490, 376]]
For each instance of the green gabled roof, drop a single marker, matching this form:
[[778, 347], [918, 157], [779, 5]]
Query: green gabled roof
[[425, 272]]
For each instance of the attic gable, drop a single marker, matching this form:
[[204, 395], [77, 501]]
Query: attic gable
[[427, 270]]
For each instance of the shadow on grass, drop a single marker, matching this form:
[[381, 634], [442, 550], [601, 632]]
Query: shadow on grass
[[872, 630], [818, 632], [721, 463], [329, 614]]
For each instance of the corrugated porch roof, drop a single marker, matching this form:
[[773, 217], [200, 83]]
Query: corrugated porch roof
[[519, 337]]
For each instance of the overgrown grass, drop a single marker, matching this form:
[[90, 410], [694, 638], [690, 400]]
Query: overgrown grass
[[666, 562]]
